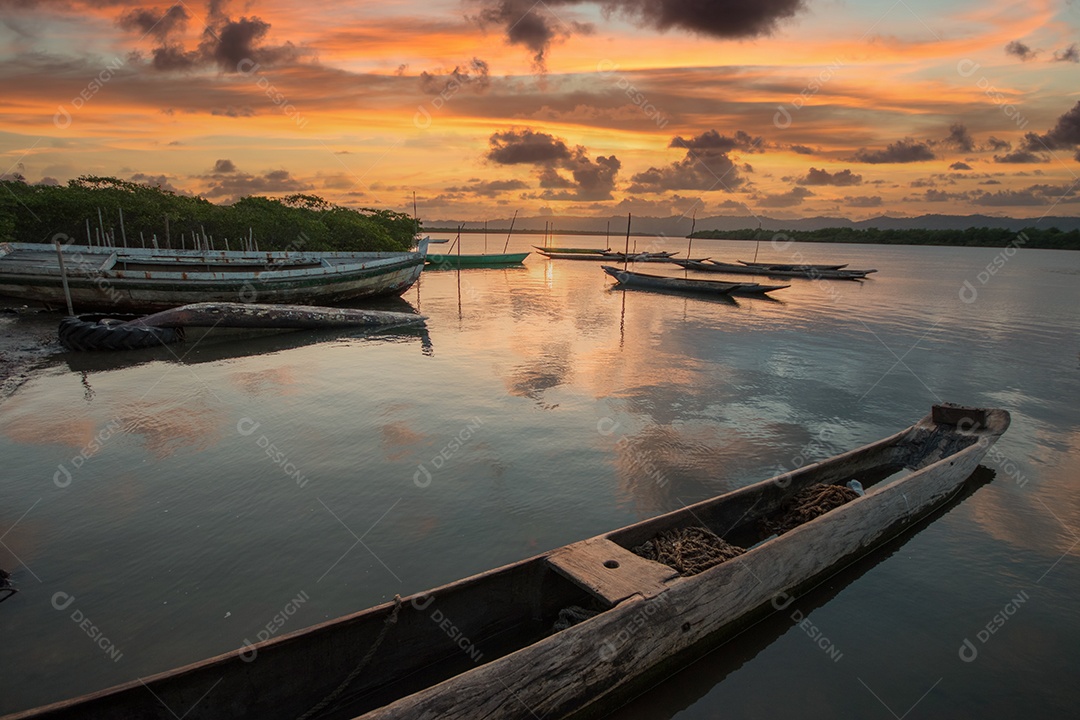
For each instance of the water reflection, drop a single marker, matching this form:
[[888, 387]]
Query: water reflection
[[598, 407]]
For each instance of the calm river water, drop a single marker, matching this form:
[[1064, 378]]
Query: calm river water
[[540, 407]]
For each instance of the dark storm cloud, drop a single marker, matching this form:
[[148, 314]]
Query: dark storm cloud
[[169, 58], [995, 144], [959, 138], [1063, 136], [1021, 157], [712, 140], [1069, 54], [589, 179], [707, 165], [536, 25], [704, 171], [154, 22], [959, 166], [224, 166], [514, 147], [225, 42], [592, 180], [802, 149], [237, 41], [474, 75], [237, 185], [824, 177], [902, 151], [1020, 50]]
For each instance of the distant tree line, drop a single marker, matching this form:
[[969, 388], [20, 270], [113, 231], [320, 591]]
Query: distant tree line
[[1031, 237], [37, 213]]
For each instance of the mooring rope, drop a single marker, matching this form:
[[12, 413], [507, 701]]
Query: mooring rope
[[689, 550], [391, 619], [810, 503]]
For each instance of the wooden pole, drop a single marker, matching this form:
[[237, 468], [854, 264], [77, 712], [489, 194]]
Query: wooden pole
[[63, 277], [123, 233], [690, 244], [485, 237], [89, 238], [101, 224], [626, 250], [507, 243], [607, 236], [168, 241], [153, 239]]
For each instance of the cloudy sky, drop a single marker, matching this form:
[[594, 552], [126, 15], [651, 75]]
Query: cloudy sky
[[786, 108]]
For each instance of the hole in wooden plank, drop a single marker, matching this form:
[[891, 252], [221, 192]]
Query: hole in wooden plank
[[611, 564]]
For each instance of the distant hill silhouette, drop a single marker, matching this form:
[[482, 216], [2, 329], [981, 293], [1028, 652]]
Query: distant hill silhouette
[[680, 226]]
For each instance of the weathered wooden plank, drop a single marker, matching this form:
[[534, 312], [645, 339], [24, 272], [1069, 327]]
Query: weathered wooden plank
[[609, 572]]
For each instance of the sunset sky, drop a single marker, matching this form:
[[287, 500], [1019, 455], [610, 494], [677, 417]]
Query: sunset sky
[[785, 108]]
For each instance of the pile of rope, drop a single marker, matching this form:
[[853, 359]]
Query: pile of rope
[[571, 616], [810, 503], [689, 550]]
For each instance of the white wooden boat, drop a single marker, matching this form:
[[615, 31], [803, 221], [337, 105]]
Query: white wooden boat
[[149, 279]]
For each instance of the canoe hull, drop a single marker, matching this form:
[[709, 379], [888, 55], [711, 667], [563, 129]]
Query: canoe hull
[[590, 665], [810, 273], [603, 658], [691, 285], [141, 280], [449, 261]]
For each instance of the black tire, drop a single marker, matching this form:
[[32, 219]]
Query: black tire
[[107, 332]]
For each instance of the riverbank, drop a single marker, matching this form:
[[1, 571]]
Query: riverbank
[[27, 336]]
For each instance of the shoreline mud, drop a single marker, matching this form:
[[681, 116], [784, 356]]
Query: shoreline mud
[[27, 337]]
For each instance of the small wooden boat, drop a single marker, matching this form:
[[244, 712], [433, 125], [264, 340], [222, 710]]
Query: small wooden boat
[[735, 269], [451, 260], [564, 250], [118, 279], [504, 641], [710, 287], [611, 256], [109, 332], [783, 266]]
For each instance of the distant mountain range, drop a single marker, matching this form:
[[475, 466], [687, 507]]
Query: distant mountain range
[[680, 226]]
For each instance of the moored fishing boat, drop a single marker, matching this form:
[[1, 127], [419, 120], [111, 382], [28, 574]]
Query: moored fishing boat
[[789, 266], [709, 287], [150, 279], [564, 250], [717, 266], [507, 639], [451, 260], [610, 256]]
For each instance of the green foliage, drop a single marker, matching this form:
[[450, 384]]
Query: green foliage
[[1031, 237], [37, 213]]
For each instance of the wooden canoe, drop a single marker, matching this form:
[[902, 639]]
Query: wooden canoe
[[737, 269], [609, 256], [450, 260], [564, 250], [788, 266], [709, 287], [486, 646], [143, 279]]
